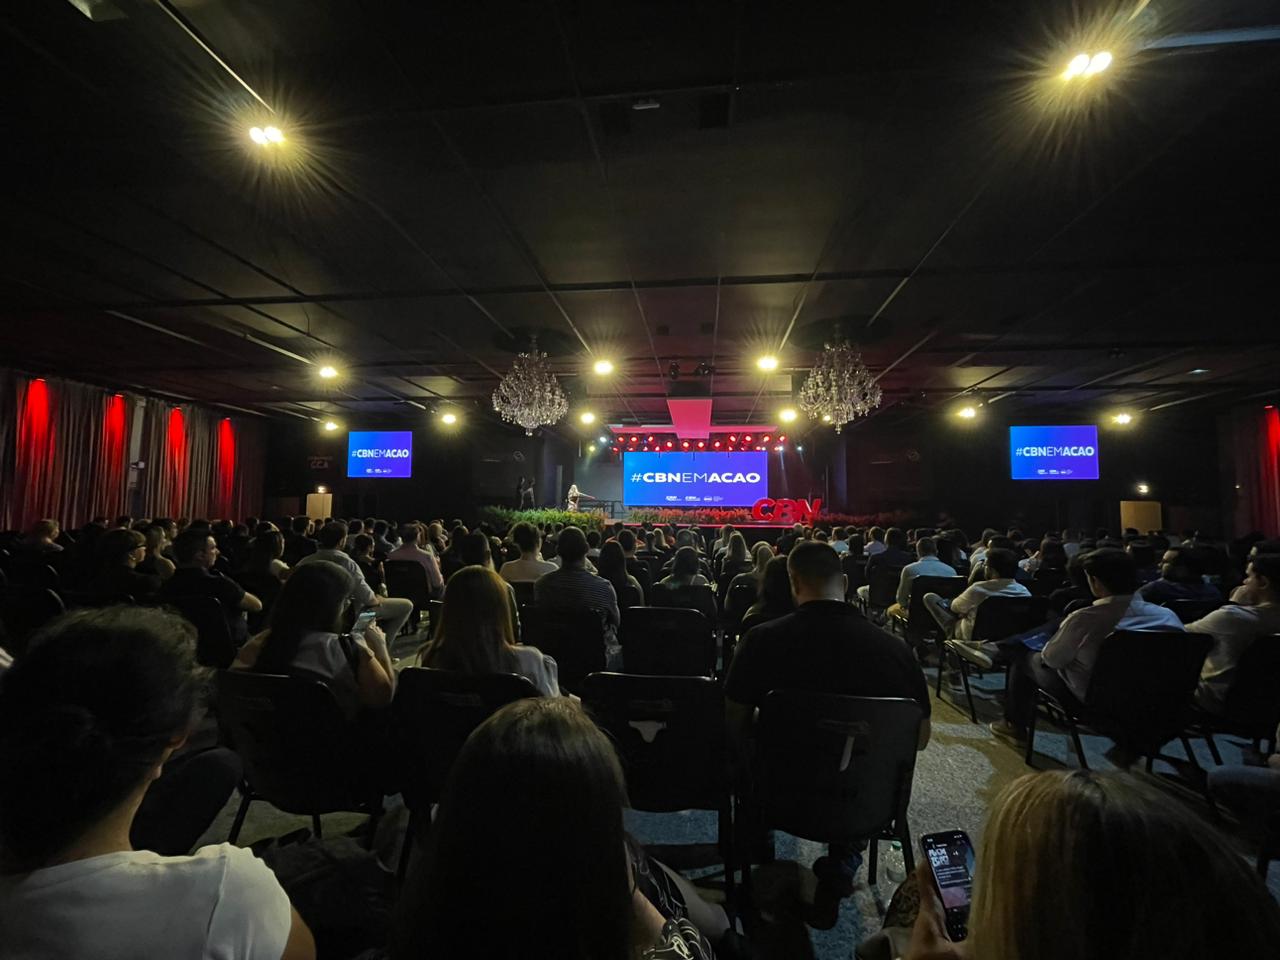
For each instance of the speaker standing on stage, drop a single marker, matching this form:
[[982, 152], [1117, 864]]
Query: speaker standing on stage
[[574, 495], [526, 493]]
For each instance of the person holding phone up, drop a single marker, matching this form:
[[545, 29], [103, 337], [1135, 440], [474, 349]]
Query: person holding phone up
[[1077, 865]]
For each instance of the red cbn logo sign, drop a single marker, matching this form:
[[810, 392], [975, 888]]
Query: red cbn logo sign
[[786, 511]]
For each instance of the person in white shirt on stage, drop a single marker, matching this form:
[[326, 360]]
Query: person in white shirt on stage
[[1065, 666], [575, 495]]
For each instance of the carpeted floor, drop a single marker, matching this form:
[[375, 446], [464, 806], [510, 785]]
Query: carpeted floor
[[957, 776]]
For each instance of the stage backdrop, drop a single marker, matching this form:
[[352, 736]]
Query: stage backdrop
[[65, 454]]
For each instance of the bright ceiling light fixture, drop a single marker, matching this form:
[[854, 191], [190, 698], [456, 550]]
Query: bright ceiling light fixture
[[767, 362], [603, 367], [1097, 63], [966, 413], [1123, 419], [788, 415], [1198, 371], [449, 419], [274, 135], [1078, 65], [1144, 489], [330, 426], [327, 372], [587, 417], [265, 136]]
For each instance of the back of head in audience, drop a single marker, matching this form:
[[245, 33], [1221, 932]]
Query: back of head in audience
[[612, 565], [1002, 563], [194, 547], [895, 538], [685, 564], [1053, 555], [362, 545], [301, 525], [815, 572], [525, 536], [474, 549], [312, 601], [1129, 870], [627, 540], [927, 547], [475, 632], [564, 886], [120, 546], [1111, 572], [332, 535], [86, 718], [571, 545]]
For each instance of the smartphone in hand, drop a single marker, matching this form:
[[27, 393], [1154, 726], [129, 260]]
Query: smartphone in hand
[[362, 624], [950, 857]]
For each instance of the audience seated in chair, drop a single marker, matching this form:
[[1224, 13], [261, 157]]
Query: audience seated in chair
[[1124, 863], [298, 542], [1050, 557], [927, 566], [1181, 578], [41, 539], [195, 553], [1235, 627], [1063, 667], [736, 557], [611, 564], [266, 557], [157, 562], [537, 795], [89, 719], [119, 553], [475, 635], [774, 599], [957, 617], [825, 646], [1242, 593], [305, 639], [573, 587], [681, 586], [761, 554], [374, 573], [414, 548], [392, 612], [530, 565]]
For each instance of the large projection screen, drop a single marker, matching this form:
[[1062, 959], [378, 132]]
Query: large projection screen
[[682, 479], [1054, 453]]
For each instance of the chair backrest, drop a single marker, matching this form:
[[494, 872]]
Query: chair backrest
[[34, 572], [639, 569], [214, 646], [1141, 685], [1001, 617], [920, 622], [668, 641], [23, 611], [882, 585], [855, 568], [524, 592], [670, 736], [435, 711], [573, 638], [1044, 582], [738, 601], [434, 609], [407, 579], [1189, 611], [296, 746], [1253, 699], [75, 600], [692, 597], [832, 768]]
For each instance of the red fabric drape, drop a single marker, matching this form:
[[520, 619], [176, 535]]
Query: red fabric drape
[[1267, 475], [1255, 441], [225, 471]]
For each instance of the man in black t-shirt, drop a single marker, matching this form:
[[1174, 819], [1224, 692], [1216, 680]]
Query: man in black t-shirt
[[195, 552], [825, 646]]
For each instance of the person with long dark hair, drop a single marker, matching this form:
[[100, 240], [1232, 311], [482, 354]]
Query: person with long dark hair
[[612, 565], [774, 599], [560, 879], [304, 638], [89, 718]]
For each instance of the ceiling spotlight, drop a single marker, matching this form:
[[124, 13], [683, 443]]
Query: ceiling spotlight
[[715, 444], [778, 448], [733, 438], [330, 426], [1198, 371], [592, 448], [826, 418], [322, 489], [259, 136], [670, 444], [327, 372], [449, 419], [604, 439], [704, 369], [799, 448], [1124, 419], [1078, 65], [765, 438], [1143, 489], [747, 438], [767, 362], [966, 413], [684, 444], [603, 367], [1097, 63], [788, 415], [649, 438], [635, 439], [587, 416], [702, 444], [782, 438], [673, 370]]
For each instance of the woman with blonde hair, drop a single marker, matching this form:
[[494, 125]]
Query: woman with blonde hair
[[1076, 865], [476, 635]]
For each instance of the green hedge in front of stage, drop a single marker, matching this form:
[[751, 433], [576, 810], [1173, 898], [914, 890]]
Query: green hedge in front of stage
[[505, 517]]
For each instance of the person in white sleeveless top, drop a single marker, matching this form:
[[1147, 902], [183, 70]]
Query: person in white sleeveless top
[[88, 718]]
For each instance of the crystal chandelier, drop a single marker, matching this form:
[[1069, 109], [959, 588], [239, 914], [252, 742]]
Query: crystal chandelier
[[529, 394], [839, 388]]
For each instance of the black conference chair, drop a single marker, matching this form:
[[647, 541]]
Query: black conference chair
[[524, 592], [1252, 702], [998, 618], [434, 609], [670, 737], [736, 604], [1189, 611], [855, 569], [836, 769], [573, 638], [640, 570], [434, 712], [34, 572], [214, 646], [882, 588], [298, 749], [266, 587], [1138, 693], [700, 597], [917, 623], [667, 641], [407, 579]]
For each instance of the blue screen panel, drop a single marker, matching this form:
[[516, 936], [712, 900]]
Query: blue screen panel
[[694, 479], [1054, 453], [380, 453]]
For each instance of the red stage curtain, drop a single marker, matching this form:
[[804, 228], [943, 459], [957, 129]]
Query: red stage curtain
[[1256, 443]]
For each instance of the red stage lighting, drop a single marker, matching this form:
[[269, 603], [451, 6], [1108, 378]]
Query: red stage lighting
[[649, 438], [733, 438], [716, 444], [765, 438], [635, 439], [747, 438], [782, 439], [684, 444], [702, 444], [614, 449], [670, 444], [760, 448]]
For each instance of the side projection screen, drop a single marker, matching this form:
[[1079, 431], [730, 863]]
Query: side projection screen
[[1054, 453], [380, 453], [680, 479]]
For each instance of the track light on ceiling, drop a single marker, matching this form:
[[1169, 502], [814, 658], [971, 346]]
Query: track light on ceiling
[[330, 426], [265, 136], [673, 370], [328, 372], [767, 363], [603, 367], [704, 369]]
